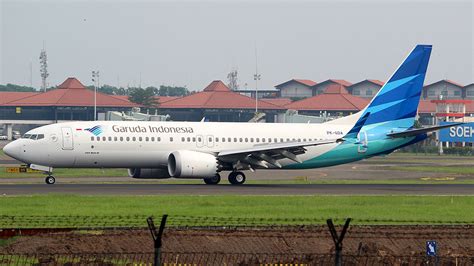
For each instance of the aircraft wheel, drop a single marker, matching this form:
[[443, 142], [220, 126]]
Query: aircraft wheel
[[213, 180], [50, 180], [236, 178]]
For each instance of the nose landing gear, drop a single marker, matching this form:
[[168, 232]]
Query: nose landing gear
[[50, 180]]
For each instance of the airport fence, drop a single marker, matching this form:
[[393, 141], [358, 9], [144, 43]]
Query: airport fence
[[263, 259], [137, 221]]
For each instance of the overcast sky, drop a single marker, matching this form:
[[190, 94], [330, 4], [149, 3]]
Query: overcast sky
[[192, 43]]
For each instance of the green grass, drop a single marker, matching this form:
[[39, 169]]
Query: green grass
[[437, 169], [64, 210]]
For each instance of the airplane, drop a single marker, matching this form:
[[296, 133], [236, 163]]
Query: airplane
[[202, 150]]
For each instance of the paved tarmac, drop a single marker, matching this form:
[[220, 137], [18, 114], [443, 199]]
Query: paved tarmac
[[247, 189]]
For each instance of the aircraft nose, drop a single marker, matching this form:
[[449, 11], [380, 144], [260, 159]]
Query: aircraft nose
[[12, 149]]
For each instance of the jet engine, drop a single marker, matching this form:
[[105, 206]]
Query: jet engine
[[148, 173], [192, 164]]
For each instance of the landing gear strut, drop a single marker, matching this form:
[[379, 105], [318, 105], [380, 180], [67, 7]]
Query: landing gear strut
[[236, 178], [213, 180], [50, 180]]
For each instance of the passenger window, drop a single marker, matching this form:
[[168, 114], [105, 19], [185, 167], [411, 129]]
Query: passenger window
[[257, 140], [194, 139], [147, 139], [134, 139], [223, 139], [98, 138], [104, 138], [210, 139], [235, 140], [152, 138], [189, 139], [140, 138], [115, 138], [182, 139], [299, 140], [241, 139], [229, 139], [121, 138], [110, 138], [158, 139], [128, 138], [217, 139], [171, 139], [92, 138], [251, 140], [199, 139]]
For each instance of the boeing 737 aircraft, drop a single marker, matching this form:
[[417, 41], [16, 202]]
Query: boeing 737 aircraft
[[205, 149]]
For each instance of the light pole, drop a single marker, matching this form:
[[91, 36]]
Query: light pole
[[95, 79], [256, 77]]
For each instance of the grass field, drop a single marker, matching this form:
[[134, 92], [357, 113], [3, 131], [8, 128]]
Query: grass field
[[276, 209]]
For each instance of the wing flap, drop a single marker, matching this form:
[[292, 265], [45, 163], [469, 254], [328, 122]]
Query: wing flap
[[263, 155]]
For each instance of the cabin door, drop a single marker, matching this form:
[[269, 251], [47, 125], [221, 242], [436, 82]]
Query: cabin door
[[68, 143]]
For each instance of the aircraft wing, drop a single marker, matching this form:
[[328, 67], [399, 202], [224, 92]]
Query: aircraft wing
[[417, 131], [263, 155]]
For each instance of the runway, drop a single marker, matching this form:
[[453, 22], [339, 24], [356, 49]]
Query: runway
[[247, 189]]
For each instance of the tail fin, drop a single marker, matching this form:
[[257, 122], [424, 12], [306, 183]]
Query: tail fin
[[397, 101]]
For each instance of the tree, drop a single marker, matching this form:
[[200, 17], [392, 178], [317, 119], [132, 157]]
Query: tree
[[17, 88], [142, 96], [172, 91]]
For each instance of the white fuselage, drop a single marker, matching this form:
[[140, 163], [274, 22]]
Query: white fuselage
[[125, 144]]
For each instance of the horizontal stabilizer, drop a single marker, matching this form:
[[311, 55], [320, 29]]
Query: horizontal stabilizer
[[418, 131]]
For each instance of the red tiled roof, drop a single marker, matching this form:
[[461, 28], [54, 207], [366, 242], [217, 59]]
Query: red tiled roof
[[216, 97], [278, 101], [71, 93], [217, 85], [71, 83], [336, 102], [8, 96], [376, 81], [336, 89], [306, 82], [444, 80], [342, 82]]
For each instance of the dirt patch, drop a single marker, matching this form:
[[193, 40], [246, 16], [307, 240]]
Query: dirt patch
[[360, 240]]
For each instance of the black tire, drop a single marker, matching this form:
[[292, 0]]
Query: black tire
[[50, 180], [213, 180], [237, 178]]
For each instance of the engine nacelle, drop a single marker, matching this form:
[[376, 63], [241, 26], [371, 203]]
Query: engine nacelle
[[148, 173], [192, 164]]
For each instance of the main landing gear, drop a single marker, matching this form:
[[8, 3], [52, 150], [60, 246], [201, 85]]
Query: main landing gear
[[236, 178], [50, 180], [213, 180]]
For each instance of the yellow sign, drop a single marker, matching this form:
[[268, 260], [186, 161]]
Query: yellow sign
[[17, 170], [18, 110]]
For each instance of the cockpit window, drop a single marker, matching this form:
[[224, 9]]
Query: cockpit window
[[33, 136], [40, 136], [26, 136]]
